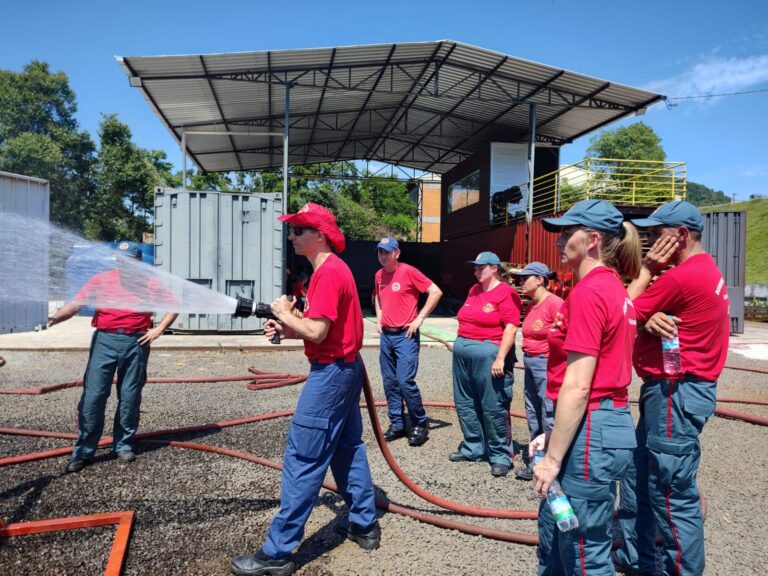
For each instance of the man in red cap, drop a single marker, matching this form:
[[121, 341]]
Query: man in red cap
[[326, 429]]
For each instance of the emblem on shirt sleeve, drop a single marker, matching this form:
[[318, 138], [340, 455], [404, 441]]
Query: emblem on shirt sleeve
[[559, 324], [489, 308], [395, 286]]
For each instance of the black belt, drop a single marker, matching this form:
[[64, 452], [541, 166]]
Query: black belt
[[124, 331], [393, 329]]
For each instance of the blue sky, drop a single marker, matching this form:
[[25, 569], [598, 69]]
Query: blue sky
[[678, 48]]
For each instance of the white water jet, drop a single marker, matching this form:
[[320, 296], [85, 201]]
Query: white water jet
[[28, 274]]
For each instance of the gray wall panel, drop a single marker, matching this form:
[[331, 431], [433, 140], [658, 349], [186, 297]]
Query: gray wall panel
[[29, 197], [725, 237], [231, 242]]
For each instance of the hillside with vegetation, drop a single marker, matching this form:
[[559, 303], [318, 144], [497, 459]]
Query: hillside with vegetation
[[757, 236]]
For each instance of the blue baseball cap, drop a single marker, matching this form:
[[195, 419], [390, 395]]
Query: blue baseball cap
[[486, 258], [677, 213], [596, 214], [388, 243], [533, 269], [130, 249]]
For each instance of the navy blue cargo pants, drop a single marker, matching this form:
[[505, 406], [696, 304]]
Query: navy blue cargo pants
[[598, 457], [660, 489], [326, 430], [482, 401], [399, 361], [538, 408], [111, 354]]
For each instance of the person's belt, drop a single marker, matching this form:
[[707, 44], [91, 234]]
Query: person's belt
[[126, 331], [534, 355], [598, 403], [393, 329], [343, 360]]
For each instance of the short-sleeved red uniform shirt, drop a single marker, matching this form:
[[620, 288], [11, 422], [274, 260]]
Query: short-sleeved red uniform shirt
[[596, 319], [536, 325], [107, 288], [696, 293], [484, 315], [332, 295], [398, 294]]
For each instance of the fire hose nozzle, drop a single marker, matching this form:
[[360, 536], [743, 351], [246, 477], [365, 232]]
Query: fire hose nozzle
[[245, 308]]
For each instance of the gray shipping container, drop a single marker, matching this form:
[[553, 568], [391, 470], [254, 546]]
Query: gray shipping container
[[228, 242], [29, 197], [725, 237]]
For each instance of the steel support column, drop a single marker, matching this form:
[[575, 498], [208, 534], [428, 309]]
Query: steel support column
[[531, 163]]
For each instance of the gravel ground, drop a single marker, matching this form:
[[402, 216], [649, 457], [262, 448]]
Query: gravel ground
[[196, 510]]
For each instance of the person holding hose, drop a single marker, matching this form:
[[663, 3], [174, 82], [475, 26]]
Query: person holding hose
[[483, 360], [588, 372], [690, 301], [326, 429], [539, 317]]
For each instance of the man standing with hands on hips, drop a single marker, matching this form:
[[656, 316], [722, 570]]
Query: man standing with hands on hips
[[690, 301], [396, 293], [326, 429]]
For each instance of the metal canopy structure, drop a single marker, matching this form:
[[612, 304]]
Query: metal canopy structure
[[426, 105]]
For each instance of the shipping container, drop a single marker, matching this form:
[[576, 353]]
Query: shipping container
[[228, 242], [28, 197], [725, 237]]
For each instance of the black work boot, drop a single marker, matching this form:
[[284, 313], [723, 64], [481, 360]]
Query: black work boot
[[259, 564], [76, 464], [392, 434], [367, 538], [419, 435]]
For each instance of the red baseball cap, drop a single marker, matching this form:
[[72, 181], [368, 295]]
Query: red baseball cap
[[320, 218]]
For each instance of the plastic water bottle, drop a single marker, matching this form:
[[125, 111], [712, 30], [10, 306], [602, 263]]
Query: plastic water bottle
[[558, 502], [670, 352]]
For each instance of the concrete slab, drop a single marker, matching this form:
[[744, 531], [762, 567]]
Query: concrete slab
[[75, 334]]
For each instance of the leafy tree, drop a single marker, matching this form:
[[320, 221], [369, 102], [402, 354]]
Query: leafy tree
[[637, 141], [700, 195], [39, 136], [126, 178]]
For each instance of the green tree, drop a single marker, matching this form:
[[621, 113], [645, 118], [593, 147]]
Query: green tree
[[700, 195], [39, 136], [126, 179], [637, 141]]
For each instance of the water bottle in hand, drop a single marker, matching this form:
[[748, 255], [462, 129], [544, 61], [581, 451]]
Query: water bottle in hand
[[558, 502], [670, 352]]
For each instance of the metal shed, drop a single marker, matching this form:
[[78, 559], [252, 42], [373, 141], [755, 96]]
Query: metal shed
[[28, 197], [230, 243]]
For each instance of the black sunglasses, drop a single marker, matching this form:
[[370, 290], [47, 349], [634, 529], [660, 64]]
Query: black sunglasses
[[299, 230]]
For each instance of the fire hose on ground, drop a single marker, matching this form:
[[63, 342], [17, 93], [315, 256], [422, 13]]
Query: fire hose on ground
[[260, 380]]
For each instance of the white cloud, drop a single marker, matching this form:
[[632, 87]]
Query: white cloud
[[715, 76]]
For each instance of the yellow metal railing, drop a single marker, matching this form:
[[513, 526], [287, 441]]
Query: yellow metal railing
[[622, 182]]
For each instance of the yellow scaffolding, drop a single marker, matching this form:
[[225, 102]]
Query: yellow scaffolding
[[622, 182]]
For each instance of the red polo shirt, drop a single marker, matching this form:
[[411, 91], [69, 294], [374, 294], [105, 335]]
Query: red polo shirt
[[538, 320], [398, 294], [485, 314], [695, 292], [104, 291], [332, 295], [597, 319]]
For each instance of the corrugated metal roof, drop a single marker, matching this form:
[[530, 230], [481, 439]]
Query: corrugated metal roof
[[424, 105]]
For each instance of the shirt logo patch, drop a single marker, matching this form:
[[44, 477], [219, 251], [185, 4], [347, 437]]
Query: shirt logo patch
[[489, 308], [396, 287], [538, 324]]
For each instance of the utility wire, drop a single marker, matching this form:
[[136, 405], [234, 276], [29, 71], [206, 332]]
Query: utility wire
[[672, 101]]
